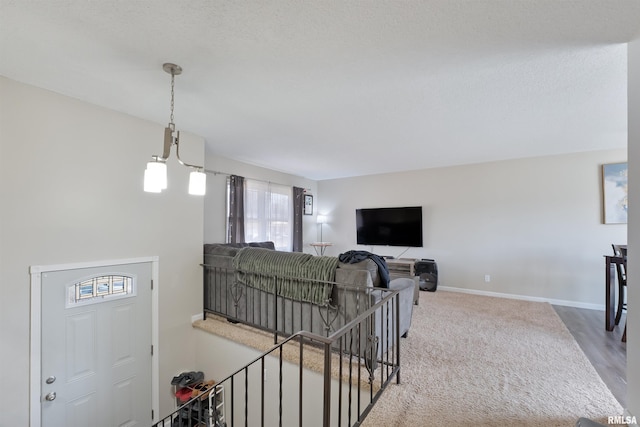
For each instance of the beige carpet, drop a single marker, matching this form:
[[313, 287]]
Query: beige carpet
[[477, 361], [481, 361]]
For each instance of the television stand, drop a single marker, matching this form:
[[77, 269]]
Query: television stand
[[404, 267]]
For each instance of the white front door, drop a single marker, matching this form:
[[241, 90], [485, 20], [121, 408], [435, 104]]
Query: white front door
[[96, 346]]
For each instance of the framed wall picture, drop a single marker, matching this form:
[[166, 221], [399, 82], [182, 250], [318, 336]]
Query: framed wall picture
[[615, 199], [308, 204]]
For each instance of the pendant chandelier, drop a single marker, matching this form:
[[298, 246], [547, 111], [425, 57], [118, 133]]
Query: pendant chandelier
[[155, 176]]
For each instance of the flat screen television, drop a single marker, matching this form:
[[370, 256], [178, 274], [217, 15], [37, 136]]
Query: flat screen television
[[389, 226]]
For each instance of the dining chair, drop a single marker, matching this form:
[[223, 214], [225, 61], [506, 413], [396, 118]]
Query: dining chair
[[621, 251]]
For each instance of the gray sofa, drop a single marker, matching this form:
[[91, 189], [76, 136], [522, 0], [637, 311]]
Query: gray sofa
[[331, 295]]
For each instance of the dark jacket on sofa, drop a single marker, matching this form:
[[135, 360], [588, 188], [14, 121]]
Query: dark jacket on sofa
[[352, 257]]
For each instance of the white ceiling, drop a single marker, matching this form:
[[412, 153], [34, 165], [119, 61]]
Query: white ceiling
[[335, 88]]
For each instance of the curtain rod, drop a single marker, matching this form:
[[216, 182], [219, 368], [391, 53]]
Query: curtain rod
[[253, 179]]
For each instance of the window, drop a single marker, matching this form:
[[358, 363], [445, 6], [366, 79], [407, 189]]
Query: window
[[268, 213], [98, 288]]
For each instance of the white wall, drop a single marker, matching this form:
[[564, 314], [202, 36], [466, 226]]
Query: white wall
[[215, 210], [633, 298], [71, 191], [534, 225]]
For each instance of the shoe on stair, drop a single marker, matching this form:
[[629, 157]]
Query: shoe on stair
[[187, 378]]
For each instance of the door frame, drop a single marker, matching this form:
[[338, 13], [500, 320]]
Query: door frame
[[35, 351]]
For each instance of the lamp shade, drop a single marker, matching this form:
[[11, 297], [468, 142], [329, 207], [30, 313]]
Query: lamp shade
[[155, 177], [197, 183], [321, 219]]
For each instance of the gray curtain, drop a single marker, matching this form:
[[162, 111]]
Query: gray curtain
[[235, 232], [298, 206]]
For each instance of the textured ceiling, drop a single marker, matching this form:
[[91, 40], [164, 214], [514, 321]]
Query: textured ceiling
[[335, 88]]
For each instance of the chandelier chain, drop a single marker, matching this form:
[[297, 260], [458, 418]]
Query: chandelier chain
[[172, 94]]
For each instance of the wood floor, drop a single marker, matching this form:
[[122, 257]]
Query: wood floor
[[605, 350]]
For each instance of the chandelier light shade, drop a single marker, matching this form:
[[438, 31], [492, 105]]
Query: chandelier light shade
[[197, 183], [150, 182], [155, 176]]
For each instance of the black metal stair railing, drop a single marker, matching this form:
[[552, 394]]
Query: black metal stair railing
[[227, 294], [356, 363]]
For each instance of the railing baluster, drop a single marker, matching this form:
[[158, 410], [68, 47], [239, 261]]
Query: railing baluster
[[397, 299], [280, 377], [326, 410], [258, 301], [341, 350], [385, 329], [245, 289], [292, 331], [246, 396], [205, 293], [351, 346], [233, 400], [302, 326], [262, 393], [275, 312], [300, 372], [255, 311], [359, 335]]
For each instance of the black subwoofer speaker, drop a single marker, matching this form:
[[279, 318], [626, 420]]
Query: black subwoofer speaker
[[427, 271]]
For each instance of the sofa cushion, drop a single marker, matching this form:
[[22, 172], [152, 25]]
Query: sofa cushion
[[231, 249], [220, 250], [265, 245], [368, 265]]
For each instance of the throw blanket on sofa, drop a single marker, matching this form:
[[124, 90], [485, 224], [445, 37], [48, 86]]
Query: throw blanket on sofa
[[352, 257], [262, 268]]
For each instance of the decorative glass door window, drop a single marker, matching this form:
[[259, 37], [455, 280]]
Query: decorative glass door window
[[96, 289]]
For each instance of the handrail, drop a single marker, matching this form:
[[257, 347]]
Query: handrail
[[370, 341]]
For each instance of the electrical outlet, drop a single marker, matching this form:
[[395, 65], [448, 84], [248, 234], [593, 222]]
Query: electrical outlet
[[487, 278]]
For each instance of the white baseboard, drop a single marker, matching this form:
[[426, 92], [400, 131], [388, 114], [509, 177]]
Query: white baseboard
[[195, 317], [524, 297]]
